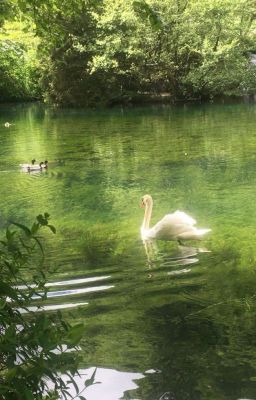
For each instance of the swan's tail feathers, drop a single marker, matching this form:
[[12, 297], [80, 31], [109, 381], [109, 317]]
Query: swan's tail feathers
[[194, 234], [202, 232]]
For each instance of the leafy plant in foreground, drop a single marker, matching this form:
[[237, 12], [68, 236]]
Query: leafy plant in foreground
[[35, 347]]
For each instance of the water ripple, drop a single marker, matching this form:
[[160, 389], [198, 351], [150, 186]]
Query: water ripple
[[52, 307], [68, 282], [71, 292]]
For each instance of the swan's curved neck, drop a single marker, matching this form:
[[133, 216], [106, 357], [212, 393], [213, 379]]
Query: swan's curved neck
[[147, 214]]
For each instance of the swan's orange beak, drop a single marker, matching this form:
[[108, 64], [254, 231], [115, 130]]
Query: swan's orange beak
[[142, 204]]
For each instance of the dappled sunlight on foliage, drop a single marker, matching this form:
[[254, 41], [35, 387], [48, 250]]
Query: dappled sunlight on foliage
[[94, 53]]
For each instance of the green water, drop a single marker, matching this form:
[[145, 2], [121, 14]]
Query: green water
[[159, 318]]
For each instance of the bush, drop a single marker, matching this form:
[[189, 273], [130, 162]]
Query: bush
[[18, 73], [35, 347]]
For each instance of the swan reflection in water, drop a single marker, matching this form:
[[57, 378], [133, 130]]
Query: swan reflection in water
[[172, 257]]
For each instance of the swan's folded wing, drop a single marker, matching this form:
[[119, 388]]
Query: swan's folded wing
[[179, 217], [171, 226], [168, 228]]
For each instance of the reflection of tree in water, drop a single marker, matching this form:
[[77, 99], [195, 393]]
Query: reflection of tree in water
[[205, 343]]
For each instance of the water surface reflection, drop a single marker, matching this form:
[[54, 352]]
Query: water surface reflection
[[109, 384], [186, 312], [171, 256]]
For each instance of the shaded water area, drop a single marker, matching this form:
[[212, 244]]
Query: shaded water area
[[162, 321]]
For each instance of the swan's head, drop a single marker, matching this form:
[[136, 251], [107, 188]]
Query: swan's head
[[146, 200]]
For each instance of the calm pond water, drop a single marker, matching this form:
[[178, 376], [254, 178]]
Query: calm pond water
[[162, 322]]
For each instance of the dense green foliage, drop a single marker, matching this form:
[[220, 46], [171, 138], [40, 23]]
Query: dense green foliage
[[6, 10], [18, 75], [103, 52], [19, 66], [34, 347]]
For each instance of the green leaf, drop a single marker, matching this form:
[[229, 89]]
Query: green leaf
[[9, 234], [73, 382], [90, 381], [2, 303], [23, 227], [7, 290], [35, 228], [39, 244], [52, 228], [28, 394], [75, 334]]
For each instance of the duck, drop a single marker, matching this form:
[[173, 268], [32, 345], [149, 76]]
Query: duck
[[44, 164], [25, 166], [34, 167], [177, 226]]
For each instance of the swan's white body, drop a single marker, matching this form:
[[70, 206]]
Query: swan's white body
[[176, 226]]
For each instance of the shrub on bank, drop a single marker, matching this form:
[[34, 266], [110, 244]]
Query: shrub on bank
[[35, 347]]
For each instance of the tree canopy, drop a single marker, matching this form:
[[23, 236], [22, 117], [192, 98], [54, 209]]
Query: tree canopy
[[105, 52]]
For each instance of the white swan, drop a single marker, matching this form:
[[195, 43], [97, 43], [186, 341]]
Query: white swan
[[177, 226]]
